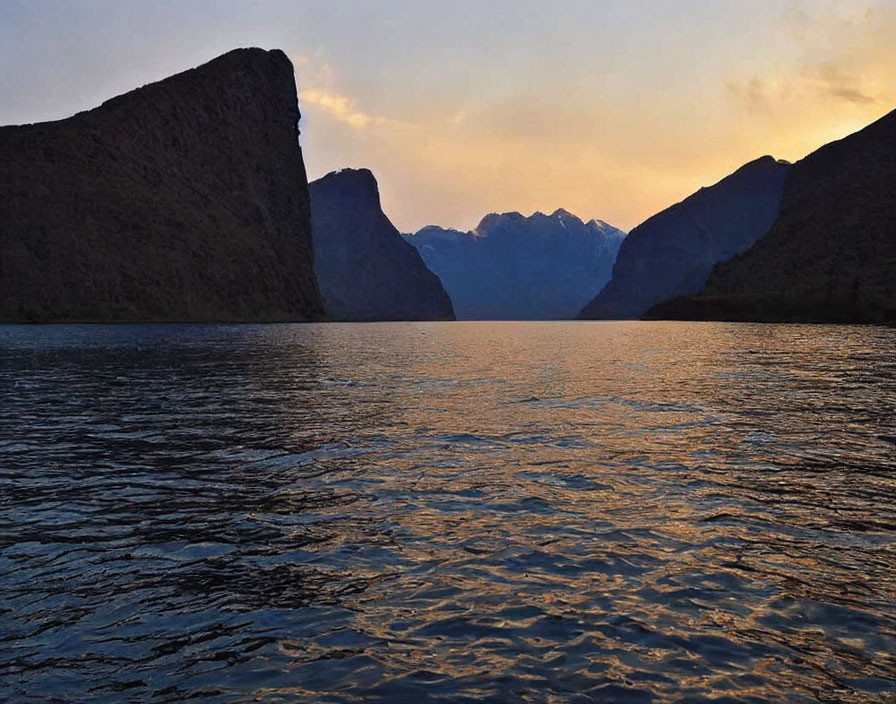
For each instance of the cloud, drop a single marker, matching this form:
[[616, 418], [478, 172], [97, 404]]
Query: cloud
[[835, 83], [342, 108], [756, 94], [853, 95], [317, 81], [833, 54], [764, 93]]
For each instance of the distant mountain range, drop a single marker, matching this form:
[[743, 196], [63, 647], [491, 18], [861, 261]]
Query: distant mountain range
[[511, 267], [182, 200], [830, 256], [672, 253], [365, 269]]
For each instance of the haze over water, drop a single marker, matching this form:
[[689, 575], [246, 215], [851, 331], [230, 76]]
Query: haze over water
[[458, 512]]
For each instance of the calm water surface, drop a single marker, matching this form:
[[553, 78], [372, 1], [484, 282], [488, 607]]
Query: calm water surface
[[559, 512]]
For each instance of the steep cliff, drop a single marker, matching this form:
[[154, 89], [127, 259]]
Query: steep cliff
[[831, 256], [511, 267], [185, 199], [673, 252], [365, 269]]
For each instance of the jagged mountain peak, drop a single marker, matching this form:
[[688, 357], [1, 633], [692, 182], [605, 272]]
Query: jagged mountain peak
[[517, 267], [513, 219]]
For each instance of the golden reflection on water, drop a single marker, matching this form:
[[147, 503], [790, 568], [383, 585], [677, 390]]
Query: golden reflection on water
[[677, 510], [543, 512]]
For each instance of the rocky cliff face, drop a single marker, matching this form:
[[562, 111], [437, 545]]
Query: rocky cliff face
[[511, 267], [182, 200], [673, 252], [365, 269], [831, 256]]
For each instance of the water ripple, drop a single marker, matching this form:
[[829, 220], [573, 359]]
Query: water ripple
[[582, 512]]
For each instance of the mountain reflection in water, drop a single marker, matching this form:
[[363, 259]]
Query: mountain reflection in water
[[531, 512]]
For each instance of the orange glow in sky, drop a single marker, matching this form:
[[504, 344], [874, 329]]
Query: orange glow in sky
[[608, 108]]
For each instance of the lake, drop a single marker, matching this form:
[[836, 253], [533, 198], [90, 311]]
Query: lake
[[456, 512]]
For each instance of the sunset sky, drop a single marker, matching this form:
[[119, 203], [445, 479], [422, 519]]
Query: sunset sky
[[611, 109]]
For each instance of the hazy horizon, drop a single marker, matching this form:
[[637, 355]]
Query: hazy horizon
[[468, 110]]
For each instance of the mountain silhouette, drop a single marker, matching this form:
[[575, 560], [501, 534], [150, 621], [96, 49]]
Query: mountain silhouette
[[365, 269], [673, 252], [830, 256], [511, 267], [182, 200]]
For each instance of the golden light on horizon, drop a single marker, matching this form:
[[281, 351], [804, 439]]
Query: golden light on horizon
[[609, 109], [595, 143]]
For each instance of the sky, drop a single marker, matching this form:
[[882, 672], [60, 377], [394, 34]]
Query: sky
[[611, 109]]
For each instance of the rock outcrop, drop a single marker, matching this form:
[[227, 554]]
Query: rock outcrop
[[511, 267], [672, 253], [183, 200], [831, 255], [365, 269]]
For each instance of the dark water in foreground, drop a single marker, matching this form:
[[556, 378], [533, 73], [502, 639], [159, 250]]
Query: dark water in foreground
[[561, 512]]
